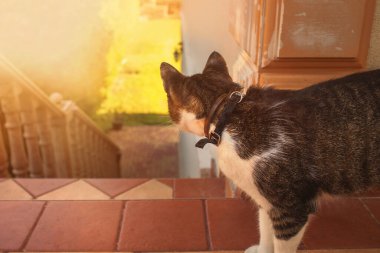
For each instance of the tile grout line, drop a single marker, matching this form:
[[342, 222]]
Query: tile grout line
[[64, 185], [208, 235], [113, 197], [116, 248], [31, 194], [35, 197], [369, 211], [23, 245], [96, 187]]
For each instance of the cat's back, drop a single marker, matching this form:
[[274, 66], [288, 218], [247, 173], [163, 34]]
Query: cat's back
[[353, 100], [368, 77], [344, 129], [352, 90]]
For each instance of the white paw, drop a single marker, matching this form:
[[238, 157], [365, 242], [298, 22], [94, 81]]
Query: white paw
[[258, 249], [252, 249]]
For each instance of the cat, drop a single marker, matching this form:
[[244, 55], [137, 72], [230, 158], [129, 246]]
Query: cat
[[285, 148]]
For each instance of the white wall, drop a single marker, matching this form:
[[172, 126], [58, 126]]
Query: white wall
[[204, 30], [188, 156]]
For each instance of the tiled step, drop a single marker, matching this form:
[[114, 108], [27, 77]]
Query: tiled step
[[103, 189], [197, 217]]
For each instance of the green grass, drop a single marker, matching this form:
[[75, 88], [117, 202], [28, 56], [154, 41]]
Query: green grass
[[146, 119]]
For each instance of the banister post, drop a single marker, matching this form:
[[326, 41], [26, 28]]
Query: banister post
[[82, 134], [72, 139], [60, 147], [28, 119], [79, 148], [86, 150], [4, 163], [98, 152], [43, 128], [60, 140], [118, 163], [113, 157], [91, 143], [11, 110]]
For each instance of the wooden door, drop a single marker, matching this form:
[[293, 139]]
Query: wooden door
[[294, 43]]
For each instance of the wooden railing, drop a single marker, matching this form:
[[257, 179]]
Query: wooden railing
[[43, 137]]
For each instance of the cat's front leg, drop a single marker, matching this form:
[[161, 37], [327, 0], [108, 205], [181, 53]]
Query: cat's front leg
[[266, 235], [288, 230]]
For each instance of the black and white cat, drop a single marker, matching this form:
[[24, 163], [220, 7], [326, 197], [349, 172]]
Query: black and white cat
[[284, 148]]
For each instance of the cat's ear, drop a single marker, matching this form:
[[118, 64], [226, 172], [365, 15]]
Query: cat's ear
[[217, 63], [169, 75]]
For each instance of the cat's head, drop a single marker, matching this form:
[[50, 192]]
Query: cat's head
[[190, 98]]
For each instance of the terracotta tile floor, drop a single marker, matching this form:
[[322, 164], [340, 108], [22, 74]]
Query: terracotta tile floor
[[225, 218], [161, 215], [201, 188], [174, 225], [77, 226]]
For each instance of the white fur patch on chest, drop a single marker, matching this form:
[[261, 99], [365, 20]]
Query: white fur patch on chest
[[238, 170], [189, 123]]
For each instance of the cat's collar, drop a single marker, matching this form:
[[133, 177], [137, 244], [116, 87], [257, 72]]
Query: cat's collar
[[215, 136]]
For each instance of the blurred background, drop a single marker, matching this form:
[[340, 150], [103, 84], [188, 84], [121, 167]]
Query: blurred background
[[104, 55]]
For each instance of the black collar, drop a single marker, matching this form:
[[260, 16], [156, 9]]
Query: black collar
[[215, 137]]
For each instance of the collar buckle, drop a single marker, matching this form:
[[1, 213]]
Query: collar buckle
[[216, 137], [237, 93]]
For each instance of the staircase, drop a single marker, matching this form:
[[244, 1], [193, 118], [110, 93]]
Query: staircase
[[163, 215], [48, 137]]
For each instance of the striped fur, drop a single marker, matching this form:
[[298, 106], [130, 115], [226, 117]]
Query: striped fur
[[287, 148]]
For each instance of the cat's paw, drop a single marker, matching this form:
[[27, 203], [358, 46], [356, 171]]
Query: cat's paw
[[252, 249]]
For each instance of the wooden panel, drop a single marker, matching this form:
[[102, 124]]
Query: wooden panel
[[291, 44], [314, 33], [321, 28], [296, 79]]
